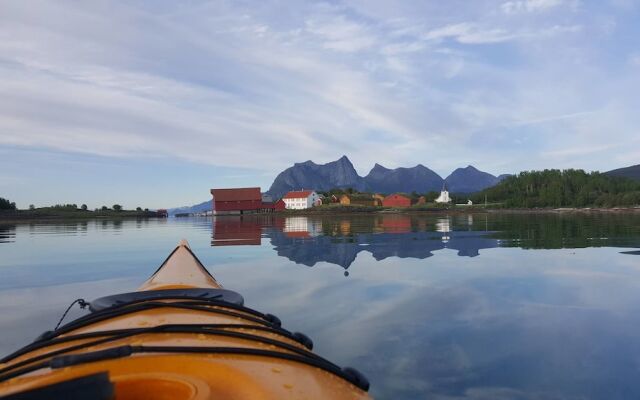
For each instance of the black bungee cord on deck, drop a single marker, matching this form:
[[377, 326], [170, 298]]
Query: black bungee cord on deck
[[83, 304], [267, 322]]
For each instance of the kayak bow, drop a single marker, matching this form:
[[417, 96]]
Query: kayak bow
[[179, 336]]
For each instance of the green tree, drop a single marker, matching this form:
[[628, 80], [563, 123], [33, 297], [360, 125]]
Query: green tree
[[104, 208], [431, 196], [6, 204], [32, 207], [138, 208], [83, 207], [117, 207]]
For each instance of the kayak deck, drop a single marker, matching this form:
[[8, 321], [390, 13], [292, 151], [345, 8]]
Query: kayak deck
[[167, 344]]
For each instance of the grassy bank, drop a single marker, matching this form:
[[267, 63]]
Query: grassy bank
[[327, 209], [337, 209]]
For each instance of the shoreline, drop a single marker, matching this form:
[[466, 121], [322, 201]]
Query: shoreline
[[29, 216], [15, 218], [459, 210]]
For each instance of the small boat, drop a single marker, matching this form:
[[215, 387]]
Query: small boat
[[179, 336]]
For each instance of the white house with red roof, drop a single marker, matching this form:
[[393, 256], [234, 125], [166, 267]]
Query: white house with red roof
[[301, 199]]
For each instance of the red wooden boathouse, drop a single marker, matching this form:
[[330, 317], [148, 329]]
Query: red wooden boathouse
[[237, 200]]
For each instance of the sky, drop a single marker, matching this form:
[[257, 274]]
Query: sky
[[152, 103]]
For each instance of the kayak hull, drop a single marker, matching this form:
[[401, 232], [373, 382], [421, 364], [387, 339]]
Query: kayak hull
[[168, 346]]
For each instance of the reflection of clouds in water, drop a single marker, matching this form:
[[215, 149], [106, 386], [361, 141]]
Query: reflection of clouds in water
[[417, 332], [27, 312]]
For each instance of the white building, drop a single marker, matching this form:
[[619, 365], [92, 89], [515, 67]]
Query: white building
[[301, 199], [444, 196]]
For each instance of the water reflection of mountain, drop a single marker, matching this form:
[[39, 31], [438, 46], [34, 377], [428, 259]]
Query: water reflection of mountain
[[308, 241], [338, 240], [344, 250]]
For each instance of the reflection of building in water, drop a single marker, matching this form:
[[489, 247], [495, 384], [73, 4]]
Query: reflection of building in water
[[443, 225], [236, 230], [302, 225], [397, 223], [345, 227]]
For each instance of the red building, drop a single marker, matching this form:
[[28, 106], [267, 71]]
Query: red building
[[237, 201], [279, 205], [396, 200]]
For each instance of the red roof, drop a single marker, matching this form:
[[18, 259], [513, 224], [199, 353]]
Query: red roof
[[237, 194], [298, 194]]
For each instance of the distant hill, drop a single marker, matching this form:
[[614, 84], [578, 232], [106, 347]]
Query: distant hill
[[309, 175], [198, 208], [419, 178], [469, 180], [632, 172]]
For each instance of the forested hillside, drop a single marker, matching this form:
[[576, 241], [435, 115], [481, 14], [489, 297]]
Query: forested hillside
[[567, 188]]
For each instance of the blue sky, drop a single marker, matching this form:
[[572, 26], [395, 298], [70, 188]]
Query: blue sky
[[153, 103]]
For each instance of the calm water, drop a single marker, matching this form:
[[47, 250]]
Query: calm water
[[450, 307]]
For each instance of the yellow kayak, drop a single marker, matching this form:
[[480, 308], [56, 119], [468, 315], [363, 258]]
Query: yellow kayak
[[179, 336]]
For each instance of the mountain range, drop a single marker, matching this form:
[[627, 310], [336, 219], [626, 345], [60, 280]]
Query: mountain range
[[632, 172], [341, 174], [309, 175]]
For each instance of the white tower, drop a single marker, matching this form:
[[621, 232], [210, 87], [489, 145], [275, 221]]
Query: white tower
[[444, 195]]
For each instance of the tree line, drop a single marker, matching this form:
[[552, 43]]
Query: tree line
[[6, 204], [562, 188], [9, 205]]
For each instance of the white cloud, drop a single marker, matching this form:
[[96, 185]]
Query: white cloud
[[527, 6], [339, 34], [552, 118], [213, 82], [582, 150], [469, 33]]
